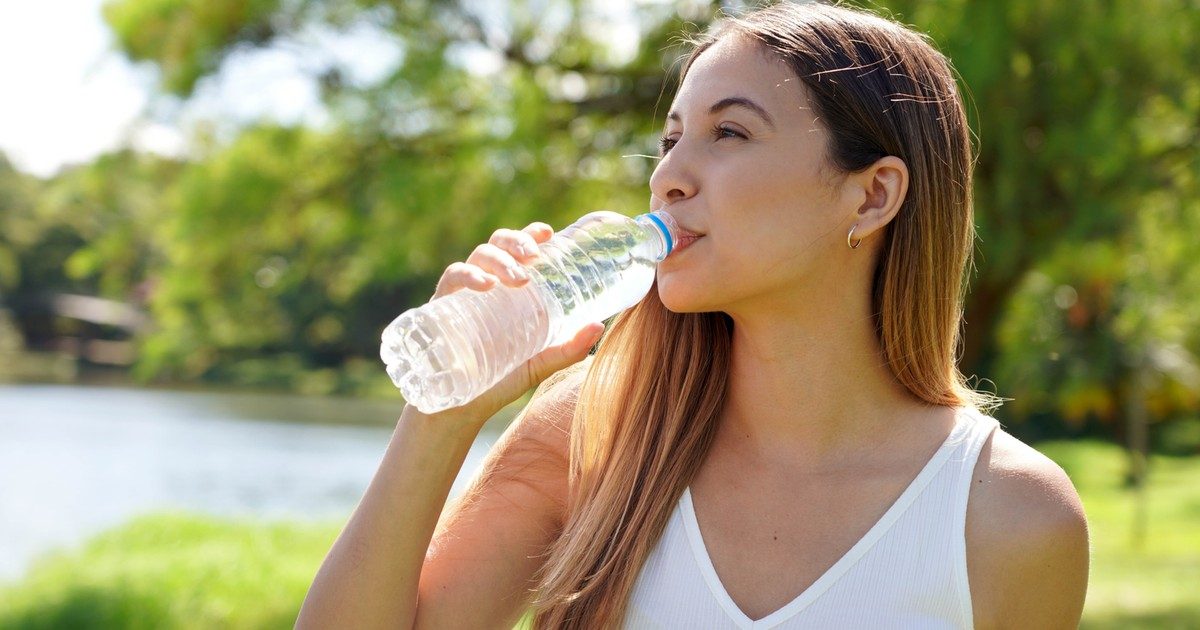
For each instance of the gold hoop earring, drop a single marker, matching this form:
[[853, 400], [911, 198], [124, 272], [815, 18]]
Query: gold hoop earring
[[850, 235]]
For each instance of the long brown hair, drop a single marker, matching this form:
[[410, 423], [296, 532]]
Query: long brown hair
[[651, 396]]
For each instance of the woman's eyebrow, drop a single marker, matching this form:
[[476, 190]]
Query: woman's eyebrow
[[734, 101]]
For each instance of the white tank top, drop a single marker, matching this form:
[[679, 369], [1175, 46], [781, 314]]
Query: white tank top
[[909, 571]]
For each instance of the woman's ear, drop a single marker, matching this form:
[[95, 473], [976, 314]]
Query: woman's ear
[[883, 185]]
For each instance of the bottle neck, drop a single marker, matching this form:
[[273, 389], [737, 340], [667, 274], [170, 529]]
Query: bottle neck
[[664, 231]]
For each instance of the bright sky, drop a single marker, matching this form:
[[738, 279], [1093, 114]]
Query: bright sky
[[66, 96], [62, 97]]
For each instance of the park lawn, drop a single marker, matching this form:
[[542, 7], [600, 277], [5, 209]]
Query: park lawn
[[173, 571], [187, 571], [1158, 584]]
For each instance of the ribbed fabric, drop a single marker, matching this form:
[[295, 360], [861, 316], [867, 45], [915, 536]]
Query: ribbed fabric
[[908, 571]]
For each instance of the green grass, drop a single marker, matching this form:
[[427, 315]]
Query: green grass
[[184, 571], [173, 571], [1152, 585]]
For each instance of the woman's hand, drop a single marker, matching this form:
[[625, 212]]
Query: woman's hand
[[500, 260]]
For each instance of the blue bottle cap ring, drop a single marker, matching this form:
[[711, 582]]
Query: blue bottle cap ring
[[667, 232]]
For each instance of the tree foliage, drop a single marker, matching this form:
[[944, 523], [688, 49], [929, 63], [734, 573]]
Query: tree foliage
[[301, 243]]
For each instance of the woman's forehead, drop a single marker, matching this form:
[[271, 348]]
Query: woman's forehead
[[736, 66]]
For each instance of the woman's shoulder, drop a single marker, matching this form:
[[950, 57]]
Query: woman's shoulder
[[1027, 538], [1012, 476], [546, 419]]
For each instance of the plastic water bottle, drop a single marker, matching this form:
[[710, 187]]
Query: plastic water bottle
[[445, 353]]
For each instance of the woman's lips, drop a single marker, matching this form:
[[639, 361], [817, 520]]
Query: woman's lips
[[685, 241]]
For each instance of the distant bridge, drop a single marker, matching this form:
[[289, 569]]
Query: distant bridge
[[88, 309]]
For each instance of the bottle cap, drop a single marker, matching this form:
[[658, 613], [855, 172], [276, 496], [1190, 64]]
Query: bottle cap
[[666, 225]]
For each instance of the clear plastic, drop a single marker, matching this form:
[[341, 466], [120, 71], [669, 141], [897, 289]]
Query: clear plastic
[[445, 353]]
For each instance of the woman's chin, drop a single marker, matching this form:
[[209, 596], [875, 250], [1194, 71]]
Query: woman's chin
[[680, 298]]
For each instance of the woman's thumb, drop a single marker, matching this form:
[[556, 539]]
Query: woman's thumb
[[569, 353], [588, 336]]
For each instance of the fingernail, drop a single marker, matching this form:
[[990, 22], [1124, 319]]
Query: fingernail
[[526, 250], [516, 273]]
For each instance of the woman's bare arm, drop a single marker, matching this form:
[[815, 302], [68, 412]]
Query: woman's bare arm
[[383, 571], [378, 573], [369, 578], [479, 572]]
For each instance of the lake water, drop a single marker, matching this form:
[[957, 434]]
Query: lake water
[[77, 460]]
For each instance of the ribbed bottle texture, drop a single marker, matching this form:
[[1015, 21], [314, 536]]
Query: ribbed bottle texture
[[445, 353]]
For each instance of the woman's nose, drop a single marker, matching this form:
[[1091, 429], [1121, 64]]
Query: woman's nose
[[672, 180]]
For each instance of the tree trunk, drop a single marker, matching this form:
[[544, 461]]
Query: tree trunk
[[1137, 444]]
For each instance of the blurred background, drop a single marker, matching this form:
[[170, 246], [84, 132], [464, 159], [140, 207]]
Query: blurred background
[[209, 209]]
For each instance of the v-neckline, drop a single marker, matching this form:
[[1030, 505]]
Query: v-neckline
[[843, 564]]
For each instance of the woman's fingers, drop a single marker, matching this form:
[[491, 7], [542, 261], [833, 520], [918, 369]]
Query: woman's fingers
[[460, 275], [500, 260], [499, 263], [487, 266], [539, 368], [555, 358], [522, 244], [541, 232]]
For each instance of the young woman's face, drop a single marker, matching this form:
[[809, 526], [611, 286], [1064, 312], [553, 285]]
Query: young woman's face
[[743, 167]]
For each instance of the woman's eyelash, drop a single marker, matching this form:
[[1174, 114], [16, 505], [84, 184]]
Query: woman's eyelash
[[665, 143]]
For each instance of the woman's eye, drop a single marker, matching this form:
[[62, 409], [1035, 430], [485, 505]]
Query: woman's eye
[[666, 143], [719, 131]]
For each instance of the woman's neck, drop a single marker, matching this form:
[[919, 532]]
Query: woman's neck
[[816, 395]]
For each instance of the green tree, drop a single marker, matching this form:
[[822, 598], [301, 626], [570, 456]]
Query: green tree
[[87, 230], [17, 225], [1082, 111], [319, 237]]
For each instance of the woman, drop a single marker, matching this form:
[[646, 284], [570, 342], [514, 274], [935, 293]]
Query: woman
[[777, 436]]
